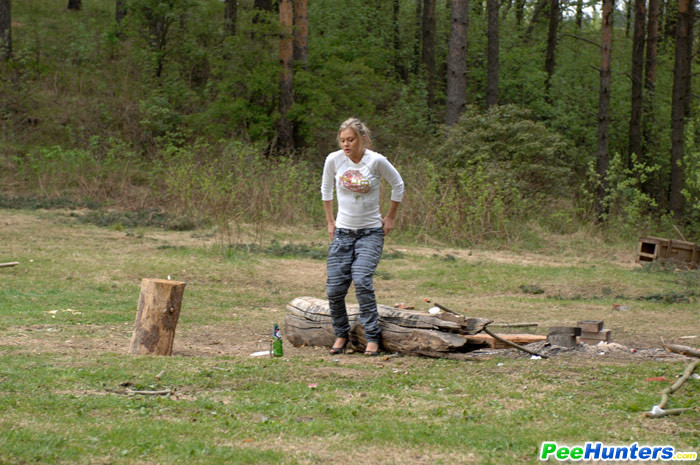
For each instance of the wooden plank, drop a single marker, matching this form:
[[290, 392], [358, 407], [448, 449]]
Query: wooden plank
[[485, 339], [603, 335], [570, 330], [590, 326]]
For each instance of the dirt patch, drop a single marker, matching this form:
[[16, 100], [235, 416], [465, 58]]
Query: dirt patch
[[322, 451], [506, 257], [232, 340]]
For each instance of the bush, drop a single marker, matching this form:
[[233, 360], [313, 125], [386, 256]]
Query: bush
[[490, 173], [512, 149]]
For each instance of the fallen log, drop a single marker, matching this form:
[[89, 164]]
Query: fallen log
[[308, 322], [683, 350]]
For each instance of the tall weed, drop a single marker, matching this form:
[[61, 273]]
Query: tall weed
[[234, 184], [462, 206]]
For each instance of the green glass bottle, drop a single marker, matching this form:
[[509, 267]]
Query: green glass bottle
[[277, 350]]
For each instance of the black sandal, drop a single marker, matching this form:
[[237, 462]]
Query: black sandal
[[372, 353], [340, 350]]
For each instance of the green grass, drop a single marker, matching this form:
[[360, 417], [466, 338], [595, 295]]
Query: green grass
[[63, 375]]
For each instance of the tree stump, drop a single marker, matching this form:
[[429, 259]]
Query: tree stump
[[156, 319], [308, 322]]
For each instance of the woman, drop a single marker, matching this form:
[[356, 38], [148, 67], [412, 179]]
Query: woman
[[358, 232]]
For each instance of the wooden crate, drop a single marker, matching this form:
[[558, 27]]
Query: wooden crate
[[658, 249]]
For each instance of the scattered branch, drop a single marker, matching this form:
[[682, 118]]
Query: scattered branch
[[513, 325], [164, 392], [664, 413], [4, 265], [131, 392], [658, 410], [512, 344]]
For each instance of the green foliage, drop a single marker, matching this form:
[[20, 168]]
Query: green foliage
[[107, 170], [53, 169], [142, 218], [489, 174], [170, 75], [233, 183], [512, 149], [626, 204], [691, 168]]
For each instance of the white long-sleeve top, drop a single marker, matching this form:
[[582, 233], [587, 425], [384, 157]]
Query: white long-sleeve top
[[357, 187]]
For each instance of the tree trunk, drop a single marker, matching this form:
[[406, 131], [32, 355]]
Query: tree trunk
[[602, 157], [670, 18], [539, 8], [156, 319], [579, 14], [554, 15], [635, 134], [492, 54], [519, 11], [285, 136], [120, 11], [75, 4], [230, 16], [678, 104], [265, 5], [652, 48], [689, 50], [428, 50], [258, 6], [418, 39], [399, 69], [628, 16], [505, 8], [301, 32], [457, 62], [649, 127], [308, 322], [5, 30]]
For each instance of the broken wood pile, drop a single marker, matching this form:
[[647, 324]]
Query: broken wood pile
[[308, 322], [658, 249]]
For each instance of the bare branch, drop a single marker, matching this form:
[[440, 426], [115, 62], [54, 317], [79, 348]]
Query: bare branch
[[589, 41]]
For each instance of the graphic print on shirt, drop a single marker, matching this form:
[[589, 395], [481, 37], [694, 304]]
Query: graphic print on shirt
[[353, 180]]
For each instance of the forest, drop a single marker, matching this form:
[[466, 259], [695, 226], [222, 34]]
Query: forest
[[507, 119]]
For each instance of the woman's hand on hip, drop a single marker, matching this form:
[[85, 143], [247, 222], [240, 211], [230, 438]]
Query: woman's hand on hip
[[387, 224]]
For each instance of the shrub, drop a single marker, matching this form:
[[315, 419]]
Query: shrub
[[234, 184], [512, 149], [488, 175]]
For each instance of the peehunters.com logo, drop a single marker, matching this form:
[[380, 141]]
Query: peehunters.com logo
[[599, 451]]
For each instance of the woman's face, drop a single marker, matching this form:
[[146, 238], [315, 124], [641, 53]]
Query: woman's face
[[349, 142]]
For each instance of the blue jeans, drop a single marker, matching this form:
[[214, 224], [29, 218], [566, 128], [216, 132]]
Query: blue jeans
[[353, 256]]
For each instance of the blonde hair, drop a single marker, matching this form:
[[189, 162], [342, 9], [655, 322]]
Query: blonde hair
[[360, 129]]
